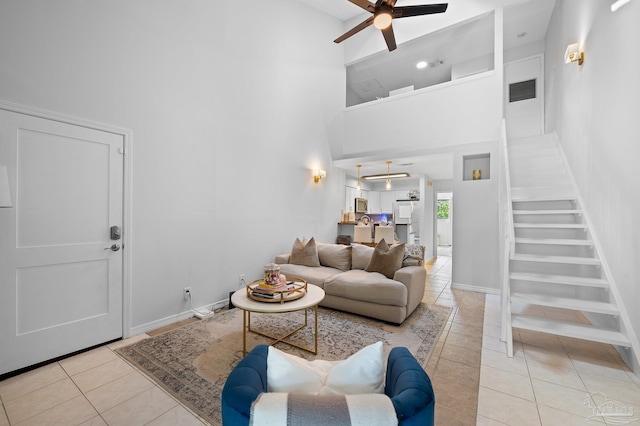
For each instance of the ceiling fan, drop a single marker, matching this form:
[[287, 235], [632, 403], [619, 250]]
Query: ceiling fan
[[384, 11]]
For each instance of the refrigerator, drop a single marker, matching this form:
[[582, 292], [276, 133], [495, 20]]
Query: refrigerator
[[408, 212]]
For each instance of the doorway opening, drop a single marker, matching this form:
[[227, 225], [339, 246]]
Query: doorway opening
[[444, 220]]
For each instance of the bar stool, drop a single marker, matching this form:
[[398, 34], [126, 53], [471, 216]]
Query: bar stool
[[362, 234], [386, 233]]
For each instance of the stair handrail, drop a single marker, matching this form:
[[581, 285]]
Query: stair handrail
[[507, 182], [507, 240]]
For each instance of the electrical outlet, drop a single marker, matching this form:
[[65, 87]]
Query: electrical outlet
[[241, 280], [186, 292]]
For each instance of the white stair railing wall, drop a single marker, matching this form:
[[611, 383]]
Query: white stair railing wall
[[631, 354]]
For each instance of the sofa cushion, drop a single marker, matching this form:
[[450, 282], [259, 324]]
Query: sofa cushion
[[413, 255], [315, 276], [304, 253], [386, 260], [361, 373], [371, 287], [360, 256], [335, 256]]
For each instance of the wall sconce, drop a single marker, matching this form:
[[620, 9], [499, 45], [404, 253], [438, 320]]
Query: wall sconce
[[319, 174], [5, 193], [573, 54], [618, 4]]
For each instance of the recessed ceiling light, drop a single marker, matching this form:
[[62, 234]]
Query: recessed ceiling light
[[422, 64], [522, 34]]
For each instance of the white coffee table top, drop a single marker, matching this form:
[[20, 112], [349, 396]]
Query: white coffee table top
[[314, 296]]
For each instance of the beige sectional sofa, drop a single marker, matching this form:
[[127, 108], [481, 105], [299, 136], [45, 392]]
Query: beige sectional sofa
[[349, 287]]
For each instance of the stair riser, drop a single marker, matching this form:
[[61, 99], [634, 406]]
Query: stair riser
[[546, 218], [559, 290], [584, 271], [526, 156], [532, 162], [520, 181], [588, 333], [555, 250], [544, 205], [577, 234], [559, 192]]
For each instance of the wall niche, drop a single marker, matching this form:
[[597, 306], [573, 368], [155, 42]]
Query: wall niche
[[476, 167]]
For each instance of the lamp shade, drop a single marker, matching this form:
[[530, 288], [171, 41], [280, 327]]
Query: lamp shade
[[5, 193]]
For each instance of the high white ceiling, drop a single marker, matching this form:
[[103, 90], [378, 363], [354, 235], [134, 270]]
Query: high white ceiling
[[530, 17]]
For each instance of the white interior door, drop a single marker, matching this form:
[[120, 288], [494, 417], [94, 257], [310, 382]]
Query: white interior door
[[524, 92], [60, 281]]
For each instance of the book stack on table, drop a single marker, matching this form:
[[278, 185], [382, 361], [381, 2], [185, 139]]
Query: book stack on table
[[268, 291]]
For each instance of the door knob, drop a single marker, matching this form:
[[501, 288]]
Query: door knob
[[114, 247]]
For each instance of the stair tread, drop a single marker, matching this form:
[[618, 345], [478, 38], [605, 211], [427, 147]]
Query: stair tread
[[554, 241], [559, 279], [543, 212], [569, 329], [556, 259], [551, 225], [565, 302], [523, 198]]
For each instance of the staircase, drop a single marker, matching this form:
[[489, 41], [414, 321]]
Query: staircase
[[553, 261]]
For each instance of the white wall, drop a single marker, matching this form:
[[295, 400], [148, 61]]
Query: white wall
[[228, 118], [594, 109], [459, 112], [475, 225]]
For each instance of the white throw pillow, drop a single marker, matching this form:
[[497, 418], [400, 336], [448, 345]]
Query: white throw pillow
[[363, 372]]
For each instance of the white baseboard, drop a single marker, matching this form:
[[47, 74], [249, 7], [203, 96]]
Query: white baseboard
[[467, 287], [172, 319]]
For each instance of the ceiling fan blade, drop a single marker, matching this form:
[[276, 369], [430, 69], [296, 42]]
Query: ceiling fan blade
[[426, 9], [389, 38], [361, 26], [365, 4]]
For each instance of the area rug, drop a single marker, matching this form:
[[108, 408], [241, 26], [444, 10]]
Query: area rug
[[192, 362]]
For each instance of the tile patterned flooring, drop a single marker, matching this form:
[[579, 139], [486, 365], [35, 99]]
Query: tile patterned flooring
[[546, 383]]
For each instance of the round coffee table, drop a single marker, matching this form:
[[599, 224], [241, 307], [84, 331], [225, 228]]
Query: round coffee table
[[310, 301]]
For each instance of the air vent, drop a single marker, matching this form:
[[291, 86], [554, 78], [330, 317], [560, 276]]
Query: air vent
[[522, 90]]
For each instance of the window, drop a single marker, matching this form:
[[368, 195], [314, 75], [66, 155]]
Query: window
[[443, 209]]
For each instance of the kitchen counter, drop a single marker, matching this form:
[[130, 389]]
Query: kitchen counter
[[346, 228]]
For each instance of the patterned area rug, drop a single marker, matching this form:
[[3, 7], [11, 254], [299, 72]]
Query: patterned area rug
[[192, 362]]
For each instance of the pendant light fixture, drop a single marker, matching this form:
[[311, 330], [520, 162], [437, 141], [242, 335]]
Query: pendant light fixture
[[358, 186], [388, 187]]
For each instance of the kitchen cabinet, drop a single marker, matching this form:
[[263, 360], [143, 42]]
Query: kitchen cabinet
[[388, 197], [374, 202], [349, 198]]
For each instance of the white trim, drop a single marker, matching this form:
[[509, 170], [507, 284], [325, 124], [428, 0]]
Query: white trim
[[127, 221], [477, 289], [172, 319]]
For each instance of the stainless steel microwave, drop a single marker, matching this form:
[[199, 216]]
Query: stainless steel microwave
[[361, 205]]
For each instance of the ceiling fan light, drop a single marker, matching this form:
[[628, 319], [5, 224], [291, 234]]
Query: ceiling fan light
[[382, 20]]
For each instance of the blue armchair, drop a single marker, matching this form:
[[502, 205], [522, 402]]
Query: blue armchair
[[407, 384]]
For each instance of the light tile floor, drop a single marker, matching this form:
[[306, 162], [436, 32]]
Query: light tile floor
[[550, 380], [546, 382]]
